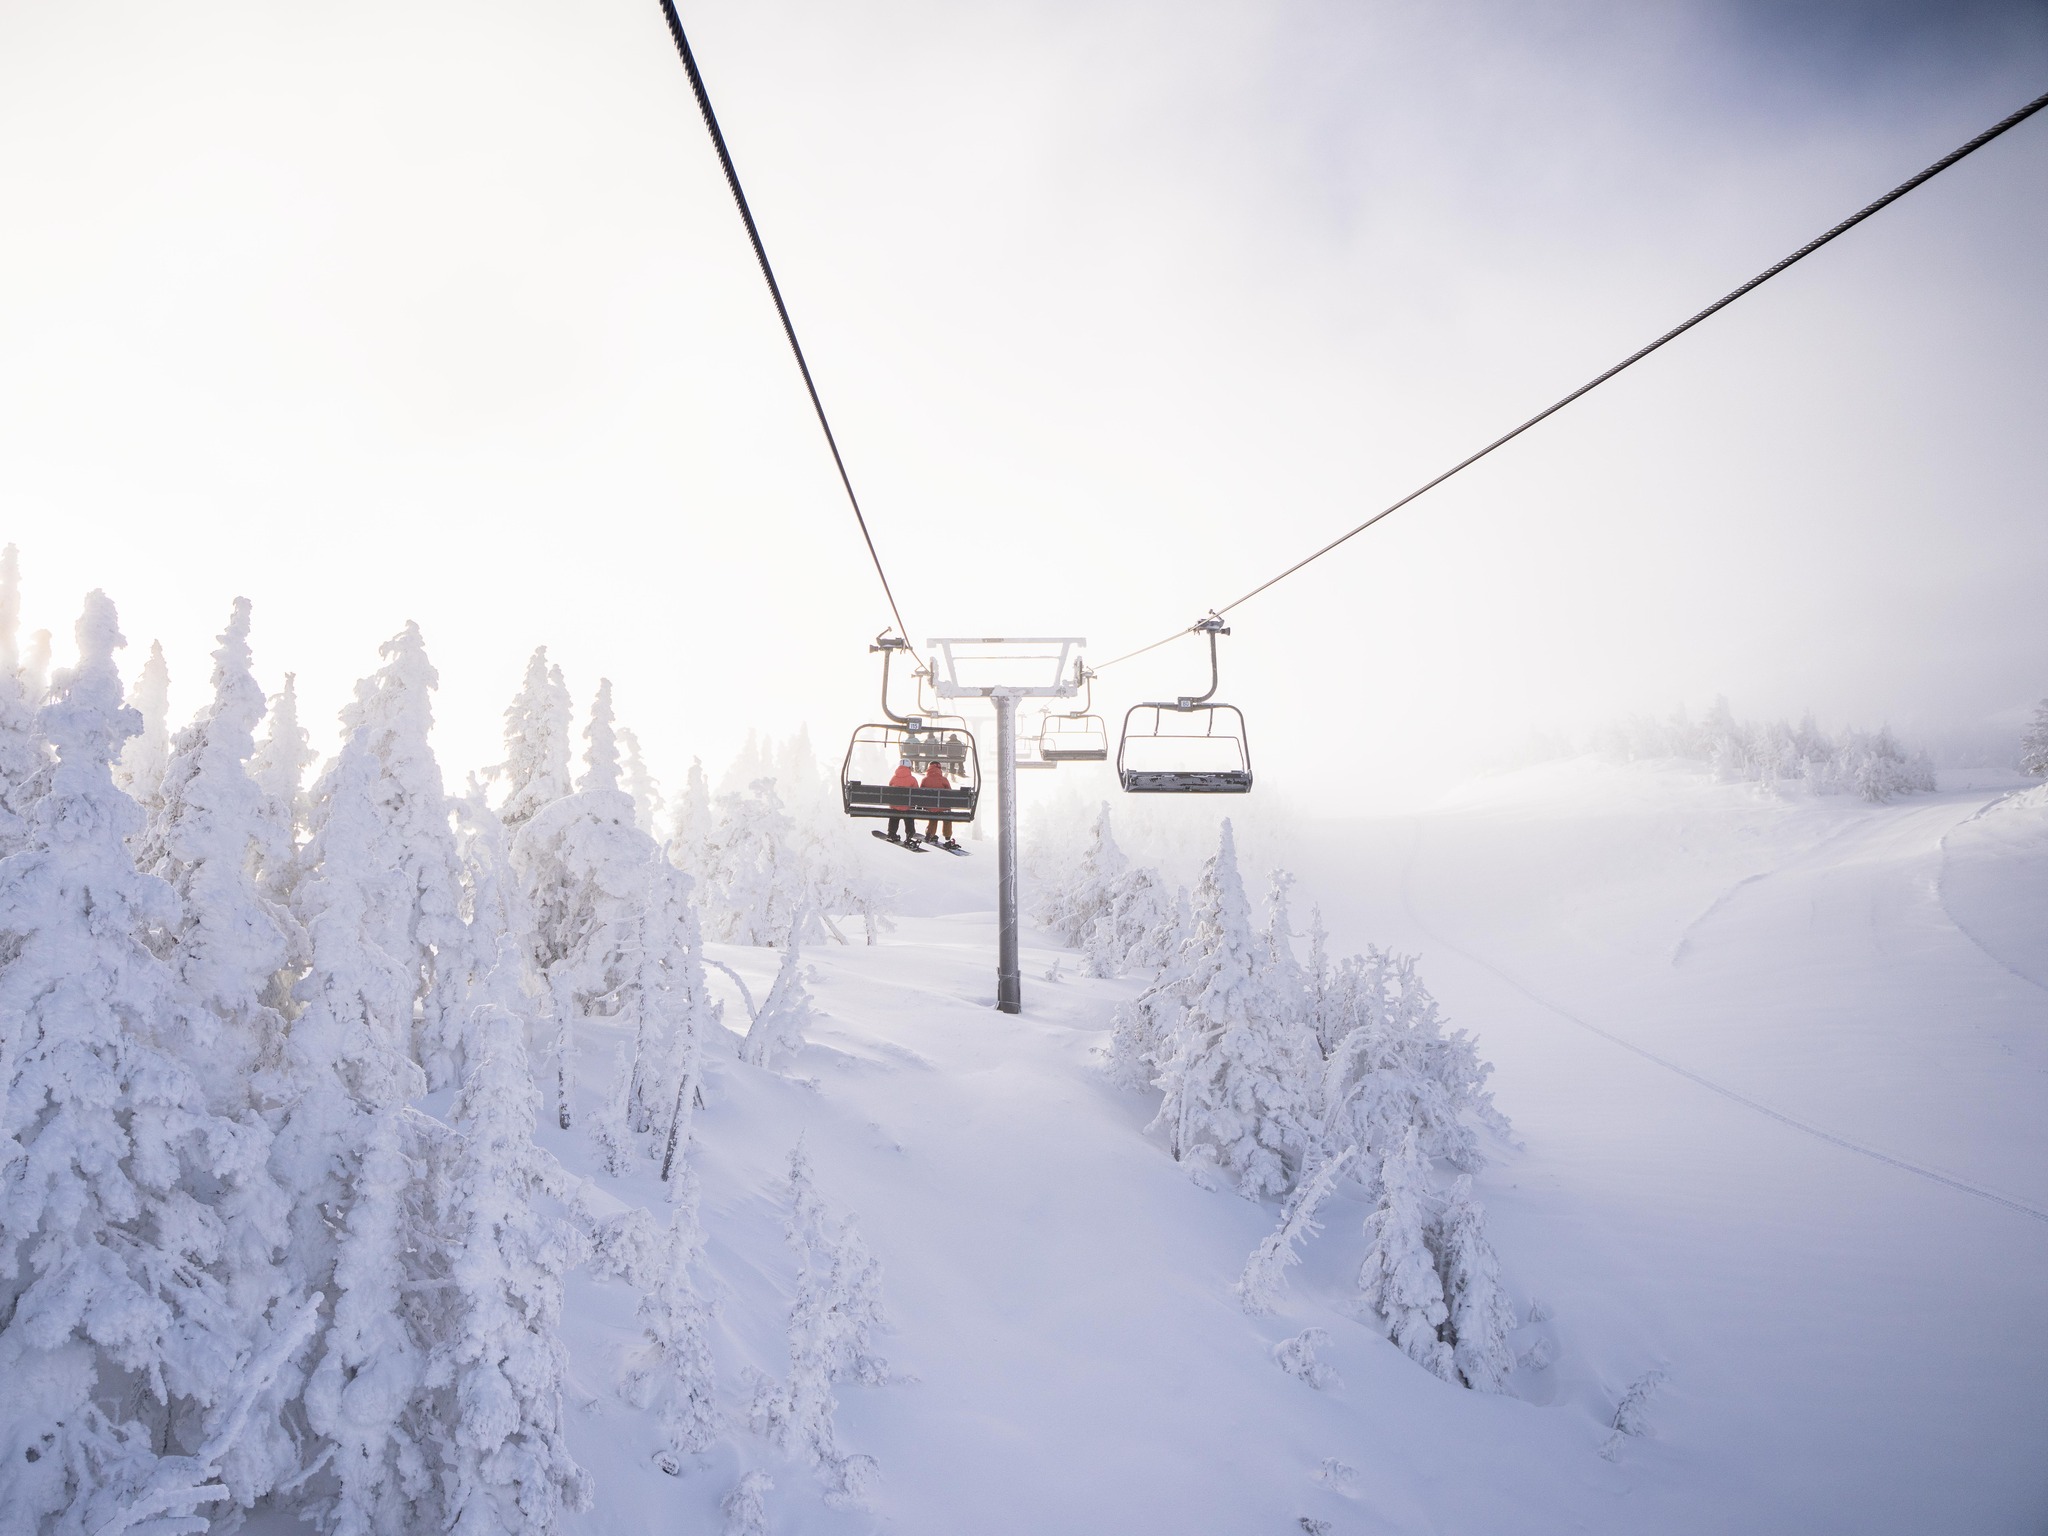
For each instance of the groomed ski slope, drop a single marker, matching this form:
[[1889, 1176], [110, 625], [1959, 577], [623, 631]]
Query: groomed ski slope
[[1773, 1067]]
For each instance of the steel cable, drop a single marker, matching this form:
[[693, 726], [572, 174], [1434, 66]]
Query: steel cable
[[1633, 358], [739, 197]]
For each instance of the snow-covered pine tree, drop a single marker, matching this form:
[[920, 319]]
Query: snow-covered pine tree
[[364, 1395], [120, 1328], [673, 1371], [745, 1508], [344, 1152], [497, 1363], [611, 1127], [1144, 1026], [669, 1005], [24, 755], [210, 835], [536, 767], [752, 882], [1394, 1066], [141, 769], [35, 666], [639, 783], [1071, 907], [1398, 1284], [1481, 1316], [2034, 744], [691, 824], [494, 912], [1237, 1070], [1265, 1272], [778, 1029], [1119, 937], [584, 867], [279, 769], [393, 711], [836, 1306]]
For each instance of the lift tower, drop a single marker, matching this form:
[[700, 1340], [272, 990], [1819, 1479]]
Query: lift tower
[[1004, 671]]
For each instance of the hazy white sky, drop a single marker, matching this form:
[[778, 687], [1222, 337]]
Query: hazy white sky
[[439, 310]]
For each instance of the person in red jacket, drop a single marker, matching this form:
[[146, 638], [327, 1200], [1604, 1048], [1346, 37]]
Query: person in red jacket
[[935, 778], [905, 777]]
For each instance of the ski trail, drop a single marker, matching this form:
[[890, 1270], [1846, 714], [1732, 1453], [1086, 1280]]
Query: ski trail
[[1941, 893], [1684, 944], [1935, 1175]]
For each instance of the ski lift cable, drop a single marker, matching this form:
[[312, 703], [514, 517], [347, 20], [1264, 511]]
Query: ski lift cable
[[1633, 358], [739, 197]]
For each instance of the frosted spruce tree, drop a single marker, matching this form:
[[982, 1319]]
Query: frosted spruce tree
[[1398, 1284], [1071, 907], [211, 834], [1236, 1068], [835, 1311], [279, 768], [24, 755], [118, 1323], [1145, 1024], [1392, 1065], [2034, 745], [347, 1152], [1481, 1316], [497, 1364], [752, 883], [639, 783], [672, 1372], [140, 770], [535, 772], [691, 823], [583, 865], [778, 1029], [667, 1003], [393, 712]]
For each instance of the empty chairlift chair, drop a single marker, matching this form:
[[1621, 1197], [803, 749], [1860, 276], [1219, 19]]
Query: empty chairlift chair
[[1189, 746], [1079, 737]]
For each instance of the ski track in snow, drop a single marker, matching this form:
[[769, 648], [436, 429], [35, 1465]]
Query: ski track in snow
[[1815, 855], [1941, 894], [1933, 1174]]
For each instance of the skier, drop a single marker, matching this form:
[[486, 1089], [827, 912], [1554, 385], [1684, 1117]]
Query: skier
[[935, 778], [905, 777]]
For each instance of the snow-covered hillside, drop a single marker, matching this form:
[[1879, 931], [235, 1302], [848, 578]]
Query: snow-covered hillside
[[532, 1159], [1818, 1205]]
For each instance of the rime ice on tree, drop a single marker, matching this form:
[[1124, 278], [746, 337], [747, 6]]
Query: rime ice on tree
[[120, 1188], [1235, 1064]]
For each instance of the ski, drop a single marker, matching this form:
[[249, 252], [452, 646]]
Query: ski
[[912, 847]]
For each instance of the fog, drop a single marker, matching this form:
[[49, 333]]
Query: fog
[[440, 310]]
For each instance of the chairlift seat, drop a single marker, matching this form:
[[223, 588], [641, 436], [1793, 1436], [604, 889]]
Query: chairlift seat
[[1185, 747], [876, 751], [1234, 781], [1073, 739]]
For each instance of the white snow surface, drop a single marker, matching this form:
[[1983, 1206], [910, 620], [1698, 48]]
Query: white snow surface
[[1777, 1070]]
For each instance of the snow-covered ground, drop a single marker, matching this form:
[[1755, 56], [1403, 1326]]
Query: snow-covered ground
[[1777, 1070]]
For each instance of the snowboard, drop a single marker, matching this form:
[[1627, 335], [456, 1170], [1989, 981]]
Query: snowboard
[[910, 847]]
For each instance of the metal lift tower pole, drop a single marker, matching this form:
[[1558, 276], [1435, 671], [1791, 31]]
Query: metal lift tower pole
[[961, 668], [1009, 981]]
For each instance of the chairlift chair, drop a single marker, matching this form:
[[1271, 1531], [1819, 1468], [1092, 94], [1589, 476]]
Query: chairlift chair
[[1076, 737], [1189, 745], [878, 749]]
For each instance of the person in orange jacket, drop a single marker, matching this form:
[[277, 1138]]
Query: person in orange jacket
[[905, 777], [935, 778]]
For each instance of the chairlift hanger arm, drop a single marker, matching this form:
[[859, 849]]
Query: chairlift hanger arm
[[2000, 127]]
